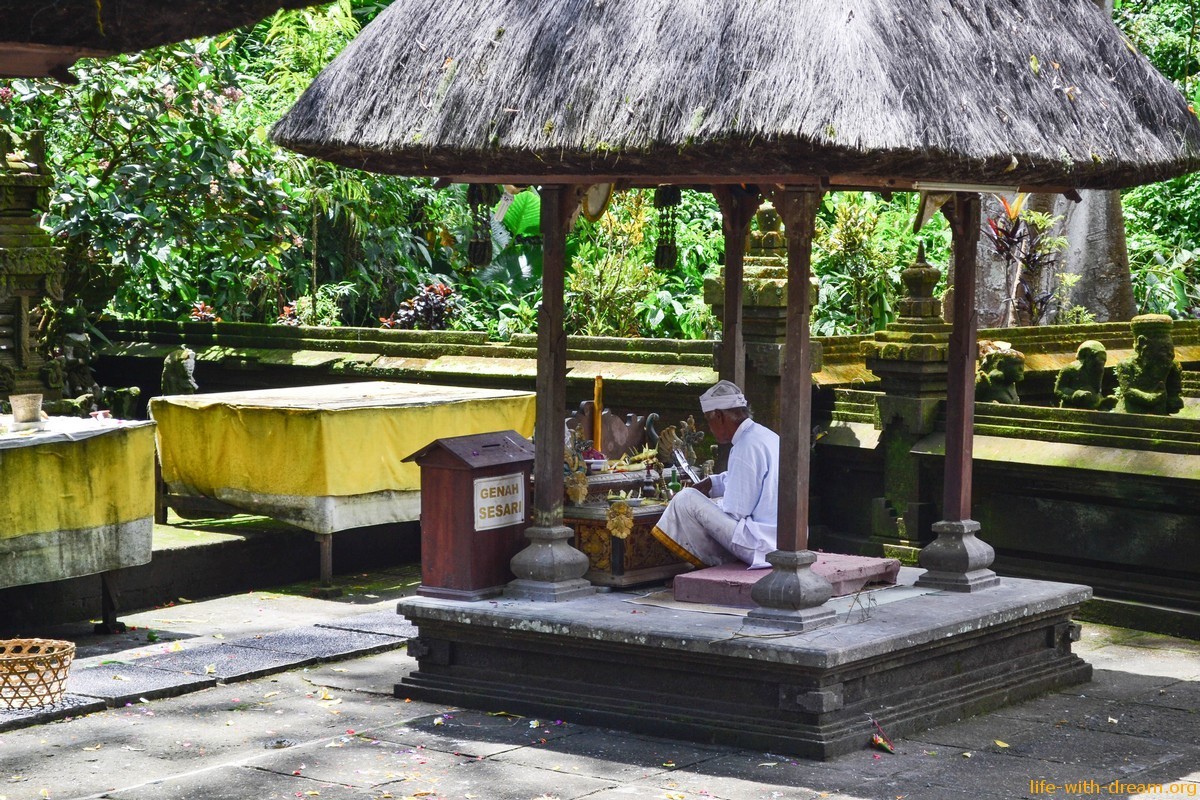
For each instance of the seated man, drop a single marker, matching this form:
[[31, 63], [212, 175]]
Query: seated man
[[739, 524]]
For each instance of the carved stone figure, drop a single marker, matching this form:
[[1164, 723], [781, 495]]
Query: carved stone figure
[[1000, 370], [769, 239], [122, 402], [77, 354], [1151, 380], [1080, 384], [178, 372]]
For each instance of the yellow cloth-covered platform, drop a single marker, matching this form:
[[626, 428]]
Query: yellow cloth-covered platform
[[75, 499], [305, 454]]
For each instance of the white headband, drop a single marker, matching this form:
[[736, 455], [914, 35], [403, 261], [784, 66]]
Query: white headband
[[723, 395]]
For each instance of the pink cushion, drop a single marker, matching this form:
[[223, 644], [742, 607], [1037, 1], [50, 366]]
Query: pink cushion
[[730, 584]]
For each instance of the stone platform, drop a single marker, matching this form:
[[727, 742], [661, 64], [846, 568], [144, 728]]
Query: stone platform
[[730, 584], [910, 660]]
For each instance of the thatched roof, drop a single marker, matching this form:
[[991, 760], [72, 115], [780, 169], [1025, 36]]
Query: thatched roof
[[1031, 92], [44, 37]]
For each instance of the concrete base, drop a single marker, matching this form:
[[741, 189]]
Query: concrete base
[[911, 664], [55, 555], [730, 584]]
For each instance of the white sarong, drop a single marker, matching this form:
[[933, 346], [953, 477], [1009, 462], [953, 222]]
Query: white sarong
[[696, 530]]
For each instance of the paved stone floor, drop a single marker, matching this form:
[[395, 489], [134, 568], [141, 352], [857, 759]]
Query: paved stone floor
[[332, 729]]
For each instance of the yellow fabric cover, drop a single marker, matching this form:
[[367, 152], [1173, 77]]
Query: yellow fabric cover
[[104, 479], [315, 441]]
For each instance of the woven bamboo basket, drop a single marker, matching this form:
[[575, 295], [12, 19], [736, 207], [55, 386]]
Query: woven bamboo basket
[[33, 672]]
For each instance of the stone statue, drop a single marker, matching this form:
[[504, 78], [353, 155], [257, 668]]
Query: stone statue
[[769, 239], [77, 355], [178, 372], [1080, 383], [1151, 380], [122, 402], [1000, 370]]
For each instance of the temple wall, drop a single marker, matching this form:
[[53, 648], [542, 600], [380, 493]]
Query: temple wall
[[1130, 527]]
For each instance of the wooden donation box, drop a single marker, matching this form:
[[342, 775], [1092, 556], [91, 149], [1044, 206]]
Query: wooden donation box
[[475, 501]]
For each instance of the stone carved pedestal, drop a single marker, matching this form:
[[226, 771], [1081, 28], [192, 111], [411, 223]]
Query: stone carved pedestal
[[911, 357], [30, 268]]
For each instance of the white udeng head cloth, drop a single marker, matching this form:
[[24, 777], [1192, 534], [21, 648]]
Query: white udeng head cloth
[[725, 394]]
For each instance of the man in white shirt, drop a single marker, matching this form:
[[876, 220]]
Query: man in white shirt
[[739, 522]]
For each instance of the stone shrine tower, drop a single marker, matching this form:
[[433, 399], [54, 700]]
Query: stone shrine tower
[[31, 268]]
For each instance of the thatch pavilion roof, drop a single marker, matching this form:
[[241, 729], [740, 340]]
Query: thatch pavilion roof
[[1037, 93], [40, 38]]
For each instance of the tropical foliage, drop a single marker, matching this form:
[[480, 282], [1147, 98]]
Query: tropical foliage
[[1163, 220], [171, 197]]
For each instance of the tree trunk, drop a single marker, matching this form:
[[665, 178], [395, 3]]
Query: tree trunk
[[1096, 251]]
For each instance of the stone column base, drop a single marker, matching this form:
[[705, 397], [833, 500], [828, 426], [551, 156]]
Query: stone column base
[[549, 569], [957, 560], [802, 619], [792, 596]]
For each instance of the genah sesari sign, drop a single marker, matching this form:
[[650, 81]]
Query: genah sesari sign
[[499, 501]]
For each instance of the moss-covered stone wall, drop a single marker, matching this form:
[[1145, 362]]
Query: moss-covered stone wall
[[1099, 498]]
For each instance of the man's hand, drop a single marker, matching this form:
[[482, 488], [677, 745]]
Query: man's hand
[[704, 486]]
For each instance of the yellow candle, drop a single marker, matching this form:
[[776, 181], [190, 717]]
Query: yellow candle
[[597, 412]]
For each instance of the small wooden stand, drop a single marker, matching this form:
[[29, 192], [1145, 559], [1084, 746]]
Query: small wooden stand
[[621, 562]]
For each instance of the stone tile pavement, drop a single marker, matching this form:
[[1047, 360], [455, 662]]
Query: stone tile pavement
[[331, 729]]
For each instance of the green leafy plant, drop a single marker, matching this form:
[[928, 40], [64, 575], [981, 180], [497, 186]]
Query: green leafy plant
[[1026, 242], [1162, 220], [1066, 312]]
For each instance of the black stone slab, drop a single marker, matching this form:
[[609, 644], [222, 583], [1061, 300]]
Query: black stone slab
[[601, 755], [121, 683], [225, 662], [361, 761], [481, 735], [236, 783], [321, 644], [1019, 775], [389, 623], [492, 780], [71, 705]]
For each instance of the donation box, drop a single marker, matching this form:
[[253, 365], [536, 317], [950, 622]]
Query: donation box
[[475, 501]]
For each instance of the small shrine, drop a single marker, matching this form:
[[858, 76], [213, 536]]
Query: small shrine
[[794, 675], [31, 269]]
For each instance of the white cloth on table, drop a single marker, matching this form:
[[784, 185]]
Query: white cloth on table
[[746, 496]]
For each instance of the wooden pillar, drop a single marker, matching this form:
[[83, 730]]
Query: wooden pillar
[[549, 444], [795, 385], [793, 596], [550, 568], [110, 603], [737, 209], [960, 391], [958, 560]]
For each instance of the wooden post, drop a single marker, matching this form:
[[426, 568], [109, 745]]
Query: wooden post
[[110, 603], [549, 447], [960, 392], [795, 385], [958, 560], [325, 545], [793, 596], [737, 209], [549, 569]]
